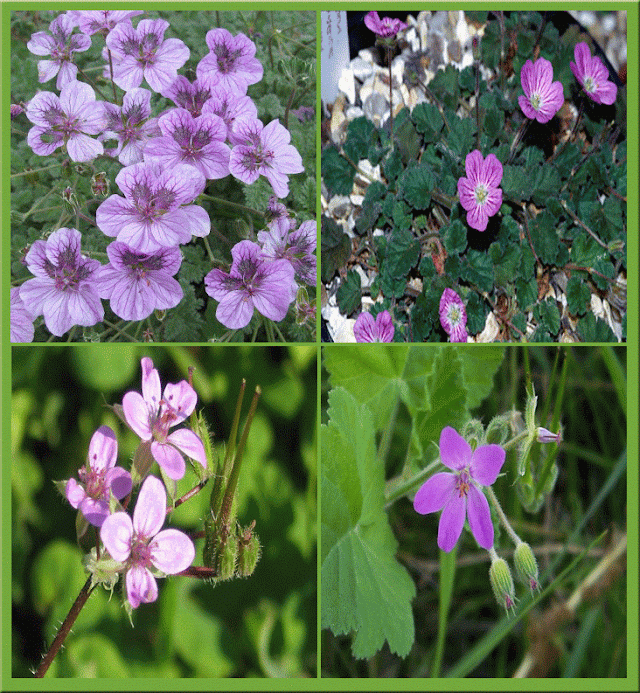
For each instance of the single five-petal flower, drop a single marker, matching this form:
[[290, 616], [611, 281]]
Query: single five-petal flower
[[453, 316], [592, 75], [153, 413], [141, 544], [479, 191], [459, 494], [385, 26], [543, 97]]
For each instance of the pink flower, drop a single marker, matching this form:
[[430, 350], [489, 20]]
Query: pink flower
[[185, 94], [99, 478], [131, 125], [230, 107], [143, 53], [592, 75], [67, 119], [93, 21], [479, 192], [230, 63], [252, 282], [298, 247], [156, 211], [141, 545], [60, 45], [138, 283], [453, 316], [21, 319], [198, 142], [151, 415], [367, 329], [458, 495], [542, 98], [384, 27], [264, 150], [63, 289]]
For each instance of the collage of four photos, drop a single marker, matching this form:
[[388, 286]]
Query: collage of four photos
[[322, 353]]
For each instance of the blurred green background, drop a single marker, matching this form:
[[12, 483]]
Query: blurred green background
[[589, 498], [261, 626]]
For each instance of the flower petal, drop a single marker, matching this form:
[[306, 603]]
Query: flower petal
[[141, 586], [188, 442], [103, 449], [136, 413], [451, 522], [169, 459], [434, 493], [151, 506], [455, 452], [480, 517], [172, 551], [116, 534], [486, 462]]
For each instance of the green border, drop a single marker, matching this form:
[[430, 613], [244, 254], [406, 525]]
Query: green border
[[631, 682]]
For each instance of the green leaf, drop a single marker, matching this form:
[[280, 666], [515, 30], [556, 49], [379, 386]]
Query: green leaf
[[527, 292], [479, 271], [461, 135], [416, 184], [407, 140], [337, 172], [578, 295], [349, 293], [403, 253], [454, 237], [364, 588], [428, 121], [335, 248], [392, 166], [547, 314], [592, 329], [360, 136]]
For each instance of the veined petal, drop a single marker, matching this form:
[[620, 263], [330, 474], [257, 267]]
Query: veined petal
[[479, 517], [455, 452], [189, 443], [151, 390], [172, 551], [103, 449], [434, 493], [150, 511], [486, 462], [136, 413], [141, 586], [116, 534], [451, 522], [169, 459]]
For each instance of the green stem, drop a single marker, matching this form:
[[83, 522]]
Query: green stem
[[35, 170], [503, 518]]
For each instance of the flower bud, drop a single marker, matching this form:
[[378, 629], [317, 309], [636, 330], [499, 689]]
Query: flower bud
[[248, 555], [526, 565], [16, 110], [545, 436], [502, 583], [227, 558], [475, 47], [104, 570], [100, 185]]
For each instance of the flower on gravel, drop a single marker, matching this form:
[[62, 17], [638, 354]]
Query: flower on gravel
[[453, 316], [592, 75], [230, 63], [60, 44], [99, 477], [254, 281], [21, 319], [264, 150], [144, 53], [542, 98], [156, 211], [366, 329], [479, 192], [63, 289], [143, 545], [458, 495], [198, 142], [385, 27], [138, 283], [152, 413], [66, 119]]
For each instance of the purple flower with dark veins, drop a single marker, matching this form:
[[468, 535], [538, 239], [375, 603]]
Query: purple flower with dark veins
[[453, 316], [156, 211], [198, 142], [298, 247], [138, 283], [143, 546], [153, 413], [252, 282], [264, 150], [230, 107], [385, 26], [68, 120], [593, 75], [60, 45], [479, 190], [63, 289], [230, 63], [21, 319], [543, 97], [99, 477], [131, 125], [94, 21], [143, 53], [186, 94], [366, 329]]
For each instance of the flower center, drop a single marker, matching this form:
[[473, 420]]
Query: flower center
[[481, 193], [535, 100], [93, 480], [140, 553], [162, 423], [454, 315], [463, 483], [590, 84]]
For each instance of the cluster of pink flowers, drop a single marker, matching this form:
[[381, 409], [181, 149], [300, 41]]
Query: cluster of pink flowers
[[212, 132], [140, 545]]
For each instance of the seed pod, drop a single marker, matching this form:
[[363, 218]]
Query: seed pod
[[248, 556], [526, 565], [227, 556], [502, 583]]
